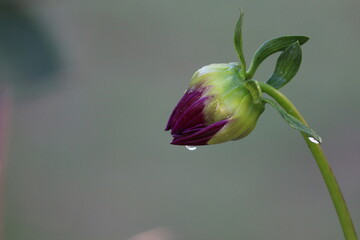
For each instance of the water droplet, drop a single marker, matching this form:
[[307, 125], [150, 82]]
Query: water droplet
[[315, 140], [191, 148]]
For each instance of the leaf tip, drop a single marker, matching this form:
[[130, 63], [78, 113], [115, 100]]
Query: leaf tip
[[303, 39]]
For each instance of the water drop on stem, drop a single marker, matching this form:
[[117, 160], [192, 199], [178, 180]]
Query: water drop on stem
[[315, 140]]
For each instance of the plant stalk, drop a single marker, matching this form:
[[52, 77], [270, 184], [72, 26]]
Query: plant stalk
[[324, 167]]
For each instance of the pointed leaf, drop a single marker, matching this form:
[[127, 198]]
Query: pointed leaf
[[238, 40], [294, 122], [287, 66], [272, 46], [254, 89]]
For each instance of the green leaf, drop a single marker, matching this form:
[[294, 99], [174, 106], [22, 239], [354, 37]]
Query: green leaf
[[270, 47], [287, 66], [254, 89], [238, 40], [294, 122]]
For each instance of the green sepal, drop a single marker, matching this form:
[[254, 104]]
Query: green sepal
[[254, 89], [238, 40], [270, 47], [293, 122], [287, 66]]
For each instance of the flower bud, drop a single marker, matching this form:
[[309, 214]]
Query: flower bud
[[215, 108]]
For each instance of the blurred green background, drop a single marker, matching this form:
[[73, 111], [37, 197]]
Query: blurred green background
[[88, 157]]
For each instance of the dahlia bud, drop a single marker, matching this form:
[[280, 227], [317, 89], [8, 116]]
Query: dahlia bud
[[216, 108]]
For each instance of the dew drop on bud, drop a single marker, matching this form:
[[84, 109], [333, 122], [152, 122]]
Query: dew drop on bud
[[315, 140], [191, 148]]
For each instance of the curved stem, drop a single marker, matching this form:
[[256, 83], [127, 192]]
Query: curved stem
[[324, 167]]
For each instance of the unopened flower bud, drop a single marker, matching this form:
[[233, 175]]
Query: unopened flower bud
[[215, 108]]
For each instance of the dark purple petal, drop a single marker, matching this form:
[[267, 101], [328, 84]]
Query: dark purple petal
[[190, 131], [193, 129], [188, 99], [200, 137], [192, 116], [187, 121]]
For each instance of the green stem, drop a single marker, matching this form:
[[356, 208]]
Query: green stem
[[324, 167]]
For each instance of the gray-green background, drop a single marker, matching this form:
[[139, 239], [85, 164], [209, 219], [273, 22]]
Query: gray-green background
[[89, 160]]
